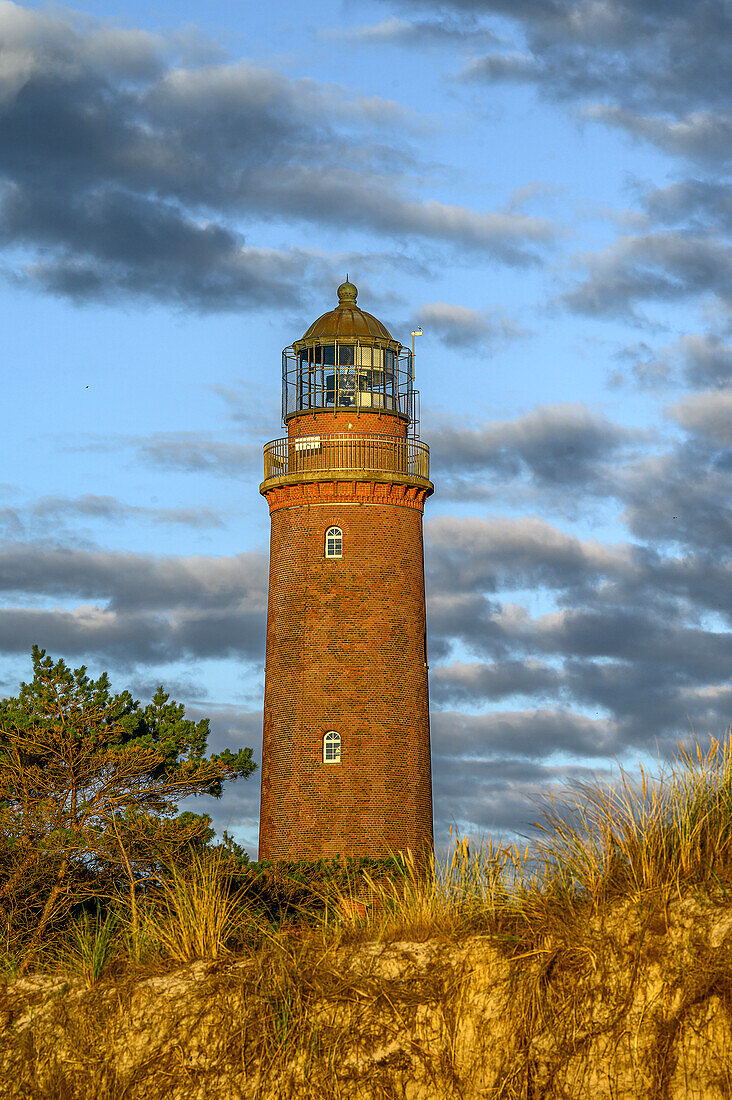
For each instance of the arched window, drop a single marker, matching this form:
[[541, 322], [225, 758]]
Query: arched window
[[334, 543], [332, 748]]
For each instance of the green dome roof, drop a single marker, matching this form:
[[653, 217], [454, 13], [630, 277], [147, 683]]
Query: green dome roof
[[347, 321]]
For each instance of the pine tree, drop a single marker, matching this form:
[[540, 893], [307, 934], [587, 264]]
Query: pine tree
[[89, 786]]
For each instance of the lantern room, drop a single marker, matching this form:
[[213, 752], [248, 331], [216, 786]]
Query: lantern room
[[348, 359]]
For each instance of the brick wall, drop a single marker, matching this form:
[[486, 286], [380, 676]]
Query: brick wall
[[347, 420], [346, 652]]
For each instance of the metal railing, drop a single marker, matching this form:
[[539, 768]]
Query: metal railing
[[348, 375], [341, 451]]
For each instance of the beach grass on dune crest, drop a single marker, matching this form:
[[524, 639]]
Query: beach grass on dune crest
[[601, 842], [200, 911], [640, 836], [91, 946], [636, 837], [565, 916]]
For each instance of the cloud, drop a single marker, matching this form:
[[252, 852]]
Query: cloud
[[194, 453], [124, 173], [511, 67], [636, 641], [497, 794], [422, 33], [698, 135], [683, 497], [658, 71], [470, 560], [548, 449], [707, 414], [697, 360], [486, 554], [252, 404], [702, 203], [707, 360], [462, 327], [533, 734], [626, 635], [646, 367], [646, 685], [641, 52], [109, 243], [237, 810], [663, 267], [131, 638], [54, 515], [475, 682], [133, 581], [146, 609]]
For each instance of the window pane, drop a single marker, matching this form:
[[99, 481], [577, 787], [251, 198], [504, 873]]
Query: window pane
[[346, 386], [333, 542], [332, 747]]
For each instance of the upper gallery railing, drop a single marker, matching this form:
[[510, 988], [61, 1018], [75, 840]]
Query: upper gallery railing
[[346, 451]]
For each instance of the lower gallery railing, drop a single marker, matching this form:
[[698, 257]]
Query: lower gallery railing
[[343, 451]]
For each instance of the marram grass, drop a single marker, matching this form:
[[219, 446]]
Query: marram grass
[[91, 946], [199, 913], [570, 921], [634, 838]]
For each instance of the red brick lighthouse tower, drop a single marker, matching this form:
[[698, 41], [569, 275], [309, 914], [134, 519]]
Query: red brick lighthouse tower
[[346, 754]]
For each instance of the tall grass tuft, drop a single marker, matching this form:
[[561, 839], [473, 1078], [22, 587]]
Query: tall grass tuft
[[635, 837], [437, 896], [141, 936], [199, 913], [91, 947], [643, 836]]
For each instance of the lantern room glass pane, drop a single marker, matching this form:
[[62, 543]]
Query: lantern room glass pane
[[347, 376]]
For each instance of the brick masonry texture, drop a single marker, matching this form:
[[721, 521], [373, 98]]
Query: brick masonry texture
[[346, 651], [339, 420]]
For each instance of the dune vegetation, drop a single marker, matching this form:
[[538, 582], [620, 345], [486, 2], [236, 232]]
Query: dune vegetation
[[595, 960]]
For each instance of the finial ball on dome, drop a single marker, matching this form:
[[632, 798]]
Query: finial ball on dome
[[347, 293]]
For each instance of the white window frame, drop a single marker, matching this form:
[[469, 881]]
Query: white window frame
[[334, 534], [332, 747]]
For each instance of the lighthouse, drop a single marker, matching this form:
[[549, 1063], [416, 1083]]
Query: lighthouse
[[346, 745]]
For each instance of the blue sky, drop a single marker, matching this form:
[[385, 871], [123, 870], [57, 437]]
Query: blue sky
[[543, 187]]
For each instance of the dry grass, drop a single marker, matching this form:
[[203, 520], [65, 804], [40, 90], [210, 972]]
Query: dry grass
[[465, 891], [199, 914], [640, 837], [638, 840], [635, 839], [578, 918]]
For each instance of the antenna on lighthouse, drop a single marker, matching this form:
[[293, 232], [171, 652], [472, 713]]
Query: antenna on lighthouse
[[415, 332]]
